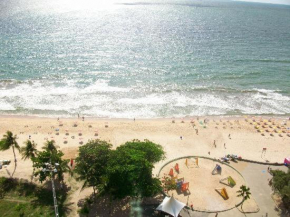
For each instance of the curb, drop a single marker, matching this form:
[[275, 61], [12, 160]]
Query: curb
[[260, 162]]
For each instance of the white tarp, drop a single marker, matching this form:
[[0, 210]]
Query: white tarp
[[171, 206]]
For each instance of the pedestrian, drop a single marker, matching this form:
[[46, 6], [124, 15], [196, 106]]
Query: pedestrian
[[191, 206], [225, 145], [181, 137], [214, 144], [209, 153], [216, 214], [196, 130], [229, 136]]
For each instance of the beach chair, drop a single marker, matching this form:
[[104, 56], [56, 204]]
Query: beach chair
[[176, 167], [185, 186], [223, 193], [171, 172]]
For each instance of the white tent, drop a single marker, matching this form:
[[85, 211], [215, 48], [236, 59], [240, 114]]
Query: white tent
[[171, 206]]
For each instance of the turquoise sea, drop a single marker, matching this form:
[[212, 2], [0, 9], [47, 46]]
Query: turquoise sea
[[144, 59]]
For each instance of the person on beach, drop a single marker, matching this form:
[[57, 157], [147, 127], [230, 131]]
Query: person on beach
[[181, 137], [229, 136], [225, 145], [83, 118], [214, 144], [196, 130]]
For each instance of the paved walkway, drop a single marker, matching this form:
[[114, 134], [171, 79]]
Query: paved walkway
[[257, 178]]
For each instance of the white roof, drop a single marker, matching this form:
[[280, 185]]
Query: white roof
[[171, 206]]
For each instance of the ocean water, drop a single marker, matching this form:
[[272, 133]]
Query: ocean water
[[144, 59]]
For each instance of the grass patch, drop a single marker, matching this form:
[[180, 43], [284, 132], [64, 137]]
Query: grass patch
[[22, 198], [15, 209]]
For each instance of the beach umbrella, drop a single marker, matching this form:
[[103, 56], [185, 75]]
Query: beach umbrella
[[171, 206]]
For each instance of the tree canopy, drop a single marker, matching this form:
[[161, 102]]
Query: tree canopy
[[281, 184], [29, 150], [49, 155], [91, 164], [245, 193], [8, 141], [126, 171]]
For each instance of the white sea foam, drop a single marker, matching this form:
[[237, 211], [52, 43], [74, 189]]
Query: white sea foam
[[152, 99], [100, 99]]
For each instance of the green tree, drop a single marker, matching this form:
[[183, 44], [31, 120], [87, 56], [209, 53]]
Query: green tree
[[245, 193], [51, 156], [281, 184], [50, 146], [91, 164], [129, 171], [8, 141], [29, 151]]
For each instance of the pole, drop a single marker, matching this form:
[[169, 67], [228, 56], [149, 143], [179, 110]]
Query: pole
[[54, 196], [51, 168]]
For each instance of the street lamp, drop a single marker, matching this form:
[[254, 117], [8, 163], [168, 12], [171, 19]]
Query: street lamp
[[52, 169]]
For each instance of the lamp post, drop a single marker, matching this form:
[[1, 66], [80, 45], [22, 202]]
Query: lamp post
[[52, 169]]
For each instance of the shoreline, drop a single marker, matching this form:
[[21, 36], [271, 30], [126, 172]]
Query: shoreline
[[215, 117]]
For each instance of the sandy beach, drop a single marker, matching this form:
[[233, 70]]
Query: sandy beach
[[214, 137], [218, 137]]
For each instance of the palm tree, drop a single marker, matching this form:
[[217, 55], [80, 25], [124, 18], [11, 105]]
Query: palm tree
[[7, 142], [245, 193], [50, 146], [29, 151]]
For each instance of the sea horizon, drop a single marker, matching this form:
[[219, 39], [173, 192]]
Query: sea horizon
[[144, 59]]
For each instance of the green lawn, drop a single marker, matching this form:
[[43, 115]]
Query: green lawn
[[25, 208], [21, 198]]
